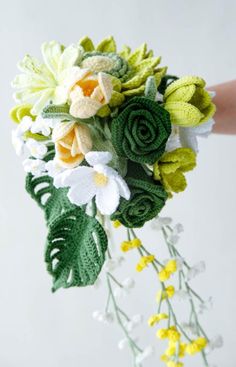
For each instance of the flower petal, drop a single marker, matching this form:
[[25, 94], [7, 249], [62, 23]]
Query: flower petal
[[107, 198], [83, 138], [188, 138], [83, 192], [94, 158], [84, 107], [62, 130], [105, 85], [123, 187], [51, 52], [74, 177]]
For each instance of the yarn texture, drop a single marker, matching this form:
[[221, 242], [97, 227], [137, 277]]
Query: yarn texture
[[141, 130]]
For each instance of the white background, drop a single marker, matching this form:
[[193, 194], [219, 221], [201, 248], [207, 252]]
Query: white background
[[38, 328]]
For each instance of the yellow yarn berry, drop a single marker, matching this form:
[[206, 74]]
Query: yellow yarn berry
[[144, 261], [170, 291], [164, 358], [196, 346], [125, 246], [130, 245], [168, 270], [162, 333], [167, 293], [164, 275], [174, 364], [171, 266], [173, 347], [173, 334], [136, 242], [116, 224], [154, 319]]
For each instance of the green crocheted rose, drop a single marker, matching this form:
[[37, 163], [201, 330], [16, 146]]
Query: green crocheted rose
[[141, 130], [146, 201]]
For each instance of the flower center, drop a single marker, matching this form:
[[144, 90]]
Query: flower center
[[100, 179], [88, 86]]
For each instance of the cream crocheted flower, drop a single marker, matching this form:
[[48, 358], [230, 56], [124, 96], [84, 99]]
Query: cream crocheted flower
[[87, 92]]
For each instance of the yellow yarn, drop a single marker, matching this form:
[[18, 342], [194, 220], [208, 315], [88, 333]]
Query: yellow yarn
[[144, 261], [196, 346], [171, 167], [154, 319], [188, 103], [130, 245]]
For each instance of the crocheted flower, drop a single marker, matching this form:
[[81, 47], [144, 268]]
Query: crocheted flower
[[110, 63], [99, 181], [142, 65], [39, 82], [146, 201], [72, 141], [171, 167], [141, 130], [188, 103], [87, 92]]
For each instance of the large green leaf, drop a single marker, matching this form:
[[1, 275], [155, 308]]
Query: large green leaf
[[75, 251], [76, 243]]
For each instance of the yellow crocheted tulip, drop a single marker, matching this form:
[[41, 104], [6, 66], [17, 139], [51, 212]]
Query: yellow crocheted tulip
[[171, 167], [188, 103]]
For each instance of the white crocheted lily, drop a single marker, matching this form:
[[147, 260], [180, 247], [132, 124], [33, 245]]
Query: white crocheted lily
[[34, 166], [188, 135], [87, 92], [18, 140], [43, 126], [99, 181], [53, 168], [36, 149], [40, 82]]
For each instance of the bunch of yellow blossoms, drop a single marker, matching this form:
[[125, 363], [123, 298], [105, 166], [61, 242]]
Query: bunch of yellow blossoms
[[177, 347]]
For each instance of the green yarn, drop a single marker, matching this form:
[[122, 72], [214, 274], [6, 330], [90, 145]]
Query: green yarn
[[76, 243], [75, 251], [150, 88], [146, 201], [119, 68], [141, 130], [57, 111]]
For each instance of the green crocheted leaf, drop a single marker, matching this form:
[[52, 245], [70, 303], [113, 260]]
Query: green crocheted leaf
[[76, 242], [87, 44], [125, 52], [57, 111], [19, 111], [53, 201], [107, 45], [138, 55], [75, 252], [150, 88]]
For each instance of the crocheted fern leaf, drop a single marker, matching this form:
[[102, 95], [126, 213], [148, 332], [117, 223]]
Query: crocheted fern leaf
[[75, 251], [76, 243]]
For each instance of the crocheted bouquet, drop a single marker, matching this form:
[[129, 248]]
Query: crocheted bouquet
[[108, 136]]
